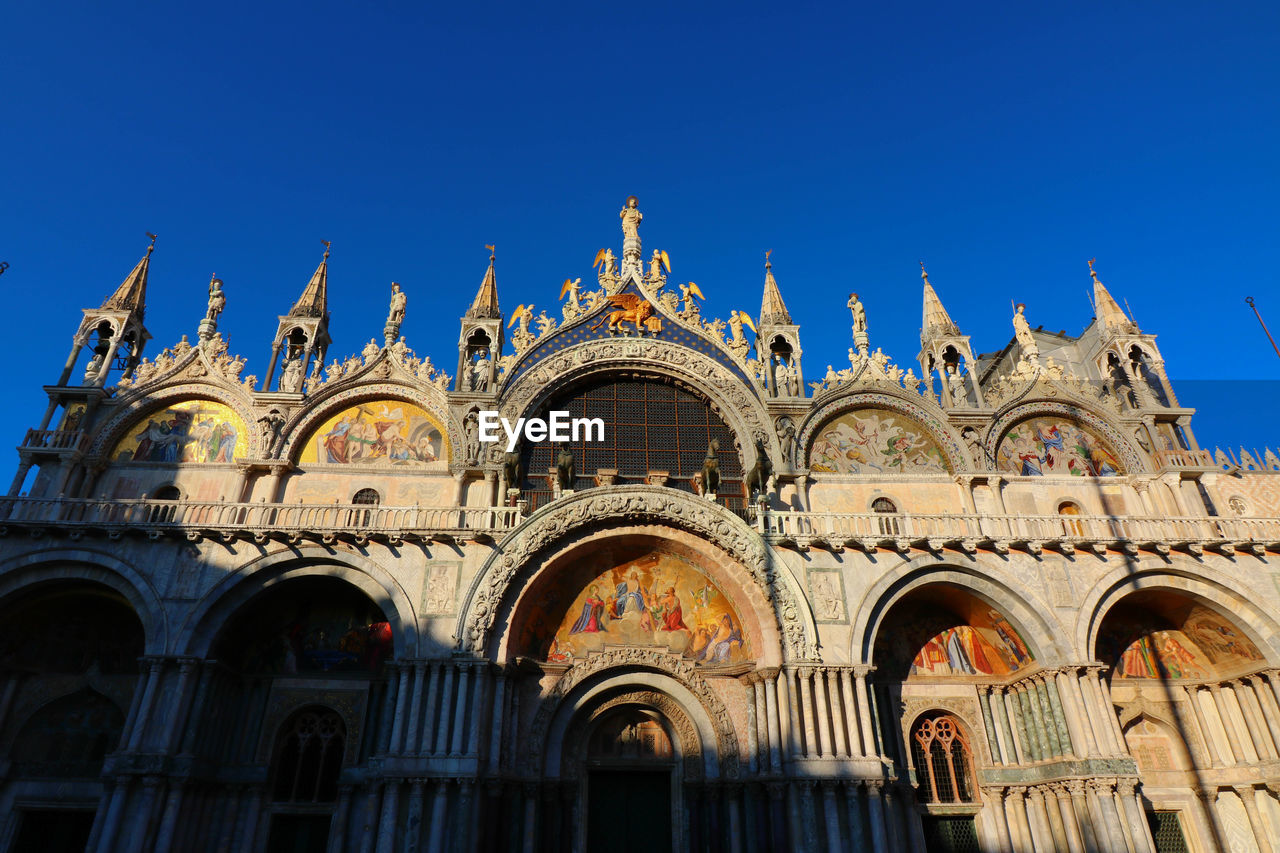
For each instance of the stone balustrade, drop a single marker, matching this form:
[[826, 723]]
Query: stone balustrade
[[1032, 532], [257, 519], [54, 439]]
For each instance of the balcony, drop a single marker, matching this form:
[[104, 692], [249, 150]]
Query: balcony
[[1178, 460], [260, 521], [1026, 532], [54, 439]]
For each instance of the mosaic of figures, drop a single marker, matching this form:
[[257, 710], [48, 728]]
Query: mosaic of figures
[[308, 625], [191, 431], [1054, 446], [875, 441], [984, 644], [380, 432], [1146, 646], [655, 600]]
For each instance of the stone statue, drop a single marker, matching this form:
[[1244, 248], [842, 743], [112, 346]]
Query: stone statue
[[217, 300], [291, 378], [735, 325], [566, 476], [511, 469], [787, 439], [609, 262], [480, 374], [398, 302], [757, 478], [631, 218], [711, 469], [471, 426], [655, 265], [92, 368], [1022, 331], [859, 313]]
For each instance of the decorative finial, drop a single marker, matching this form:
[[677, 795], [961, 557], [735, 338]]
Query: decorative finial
[[493, 250], [767, 264], [1092, 272], [327, 244], [924, 274], [152, 247]]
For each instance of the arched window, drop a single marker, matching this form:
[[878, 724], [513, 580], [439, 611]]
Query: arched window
[[1070, 526], [308, 757], [943, 760], [69, 737], [165, 513], [364, 497], [889, 525], [367, 496]]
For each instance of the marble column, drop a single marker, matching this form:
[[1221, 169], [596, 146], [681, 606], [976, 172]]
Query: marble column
[[1135, 816], [390, 813], [993, 799], [857, 825], [530, 818], [1228, 723], [144, 707], [1080, 810], [1258, 733], [772, 718], [1041, 828], [413, 821], [831, 815], [439, 802], [1066, 812], [459, 719], [851, 714], [414, 722], [169, 820], [338, 836], [811, 745], [1249, 796], [1019, 818], [984, 702], [1267, 707], [402, 701], [789, 698], [497, 721], [839, 731], [876, 815], [753, 729], [446, 705], [1073, 699], [808, 823], [868, 736]]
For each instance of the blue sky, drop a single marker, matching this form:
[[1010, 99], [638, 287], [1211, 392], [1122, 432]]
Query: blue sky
[[1004, 145]]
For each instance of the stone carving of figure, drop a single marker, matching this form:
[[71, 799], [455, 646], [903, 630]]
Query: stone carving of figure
[[92, 368], [735, 325], [831, 378], [480, 374], [398, 302], [471, 426], [610, 260], [787, 439], [631, 218], [859, 313], [217, 299], [511, 469], [370, 351], [955, 384], [655, 265], [291, 378], [565, 474], [574, 286], [1022, 331], [711, 469]]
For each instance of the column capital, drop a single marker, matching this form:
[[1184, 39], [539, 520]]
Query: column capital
[[862, 670]]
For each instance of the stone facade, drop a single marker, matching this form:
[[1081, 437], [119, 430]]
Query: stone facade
[[1008, 604]]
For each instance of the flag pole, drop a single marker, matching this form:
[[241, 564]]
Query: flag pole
[[1249, 300]]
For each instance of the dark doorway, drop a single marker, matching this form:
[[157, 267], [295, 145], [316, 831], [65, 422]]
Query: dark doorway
[[53, 831], [299, 833], [629, 811]]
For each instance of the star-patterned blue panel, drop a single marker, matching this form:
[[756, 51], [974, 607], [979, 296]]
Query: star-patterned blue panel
[[580, 330]]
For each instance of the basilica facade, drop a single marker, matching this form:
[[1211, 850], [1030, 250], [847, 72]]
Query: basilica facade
[[1000, 602]]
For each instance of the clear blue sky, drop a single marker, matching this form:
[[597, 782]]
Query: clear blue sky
[[1004, 146]]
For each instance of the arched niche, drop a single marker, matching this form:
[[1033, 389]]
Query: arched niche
[[376, 433], [873, 441], [69, 628], [1055, 440], [190, 431], [1167, 634], [943, 630], [307, 626], [633, 590]]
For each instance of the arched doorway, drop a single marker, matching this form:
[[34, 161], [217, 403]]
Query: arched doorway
[[1197, 704], [68, 671], [940, 653], [629, 774]]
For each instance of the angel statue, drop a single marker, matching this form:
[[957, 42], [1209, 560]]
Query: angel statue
[[524, 314], [736, 319], [571, 288], [687, 292], [604, 260], [660, 259], [217, 300]]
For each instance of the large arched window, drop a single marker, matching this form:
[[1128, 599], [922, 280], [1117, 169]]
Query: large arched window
[[943, 760], [308, 757], [649, 425]]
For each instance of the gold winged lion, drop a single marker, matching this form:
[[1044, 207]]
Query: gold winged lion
[[631, 308]]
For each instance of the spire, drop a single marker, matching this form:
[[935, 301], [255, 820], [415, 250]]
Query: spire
[[1108, 311], [772, 309], [485, 305], [936, 318], [314, 301], [131, 295]]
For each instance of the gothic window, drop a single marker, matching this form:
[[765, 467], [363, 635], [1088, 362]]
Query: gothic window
[[308, 757], [943, 760], [69, 737], [888, 524]]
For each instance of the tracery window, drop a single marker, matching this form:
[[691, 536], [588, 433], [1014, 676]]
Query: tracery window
[[943, 760], [308, 757]]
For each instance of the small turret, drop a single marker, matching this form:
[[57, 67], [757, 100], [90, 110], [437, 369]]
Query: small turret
[[945, 352], [480, 342], [116, 329], [302, 335], [778, 340]]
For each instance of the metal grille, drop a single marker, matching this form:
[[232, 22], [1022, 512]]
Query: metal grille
[[1166, 829], [950, 835], [648, 426]]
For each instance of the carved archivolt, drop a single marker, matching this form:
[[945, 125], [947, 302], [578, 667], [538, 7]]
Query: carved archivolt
[[670, 709], [631, 504], [1132, 460], [683, 671], [428, 397], [928, 417], [732, 397]]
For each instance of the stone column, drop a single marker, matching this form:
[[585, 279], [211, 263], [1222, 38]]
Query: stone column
[[414, 722], [252, 816], [446, 705], [1267, 708], [1024, 840], [1206, 734], [413, 822], [789, 701], [822, 707], [144, 709], [1111, 821], [390, 813], [368, 832], [868, 734], [429, 722], [479, 689], [892, 817], [875, 811], [145, 806], [459, 718], [1067, 739], [808, 822], [831, 815], [1073, 699], [840, 736], [984, 702], [402, 700], [772, 716], [497, 722], [1066, 814], [338, 835], [1255, 727], [1228, 724], [1080, 811], [1112, 742], [169, 820], [1135, 816], [811, 745], [387, 714], [530, 818], [186, 671], [857, 825], [993, 799], [753, 729], [1249, 796], [856, 749]]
